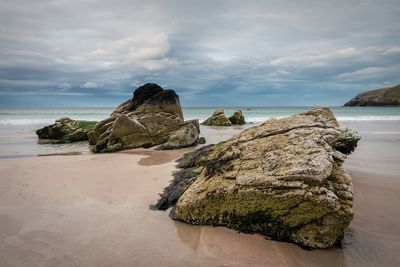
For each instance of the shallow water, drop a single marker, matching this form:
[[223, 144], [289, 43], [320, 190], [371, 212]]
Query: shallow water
[[18, 126]]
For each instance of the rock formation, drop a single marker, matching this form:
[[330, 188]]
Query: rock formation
[[379, 97], [152, 117], [219, 118], [237, 118], [283, 179], [65, 130]]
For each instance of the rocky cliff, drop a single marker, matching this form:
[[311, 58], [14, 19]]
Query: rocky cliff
[[283, 179], [379, 97]]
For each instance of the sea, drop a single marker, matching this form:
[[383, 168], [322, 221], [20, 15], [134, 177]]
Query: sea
[[18, 125]]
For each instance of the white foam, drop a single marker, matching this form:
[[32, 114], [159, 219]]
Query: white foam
[[381, 132], [260, 119], [25, 121], [339, 118], [369, 118]]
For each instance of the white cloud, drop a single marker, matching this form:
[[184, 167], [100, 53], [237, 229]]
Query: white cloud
[[64, 86], [278, 74], [370, 72], [89, 85], [316, 59], [133, 50], [159, 64]]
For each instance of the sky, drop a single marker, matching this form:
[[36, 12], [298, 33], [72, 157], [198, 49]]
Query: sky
[[212, 52]]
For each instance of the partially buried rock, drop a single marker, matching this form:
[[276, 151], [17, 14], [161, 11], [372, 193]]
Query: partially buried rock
[[283, 179], [65, 130], [152, 117], [218, 119], [237, 118]]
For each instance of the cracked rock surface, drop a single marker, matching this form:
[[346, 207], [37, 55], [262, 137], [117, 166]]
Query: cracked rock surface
[[283, 179]]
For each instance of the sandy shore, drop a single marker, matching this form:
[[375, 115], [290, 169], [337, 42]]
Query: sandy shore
[[93, 210]]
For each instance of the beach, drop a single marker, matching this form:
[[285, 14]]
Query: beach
[[199, 133], [94, 210]]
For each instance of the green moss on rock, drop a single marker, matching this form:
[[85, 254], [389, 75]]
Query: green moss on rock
[[65, 130], [282, 179]]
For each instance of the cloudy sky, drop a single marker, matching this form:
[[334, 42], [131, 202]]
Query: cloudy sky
[[213, 53]]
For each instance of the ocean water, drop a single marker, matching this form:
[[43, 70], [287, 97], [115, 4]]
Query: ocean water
[[18, 126]]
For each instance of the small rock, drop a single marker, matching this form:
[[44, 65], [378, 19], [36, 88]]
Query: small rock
[[237, 118], [218, 119]]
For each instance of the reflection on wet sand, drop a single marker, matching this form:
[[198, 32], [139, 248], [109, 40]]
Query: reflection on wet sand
[[72, 153], [219, 246], [156, 157]]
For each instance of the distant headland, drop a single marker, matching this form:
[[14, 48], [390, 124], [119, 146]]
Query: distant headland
[[378, 97]]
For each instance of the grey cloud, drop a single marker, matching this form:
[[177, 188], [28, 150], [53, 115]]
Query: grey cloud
[[203, 49]]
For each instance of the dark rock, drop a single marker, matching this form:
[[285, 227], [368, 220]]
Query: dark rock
[[151, 95], [201, 140], [237, 118], [144, 92], [183, 178]]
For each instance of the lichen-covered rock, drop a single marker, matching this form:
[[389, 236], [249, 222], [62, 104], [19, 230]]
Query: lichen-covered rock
[[282, 179], [237, 118], [65, 130], [217, 119], [186, 135], [152, 117]]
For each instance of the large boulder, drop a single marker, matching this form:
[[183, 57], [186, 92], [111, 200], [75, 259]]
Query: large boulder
[[65, 130], [217, 119], [283, 179], [237, 118], [152, 117]]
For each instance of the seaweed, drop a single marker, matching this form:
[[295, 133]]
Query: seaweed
[[182, 180]]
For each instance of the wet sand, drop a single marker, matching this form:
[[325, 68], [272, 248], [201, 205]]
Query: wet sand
[[93, 210]]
